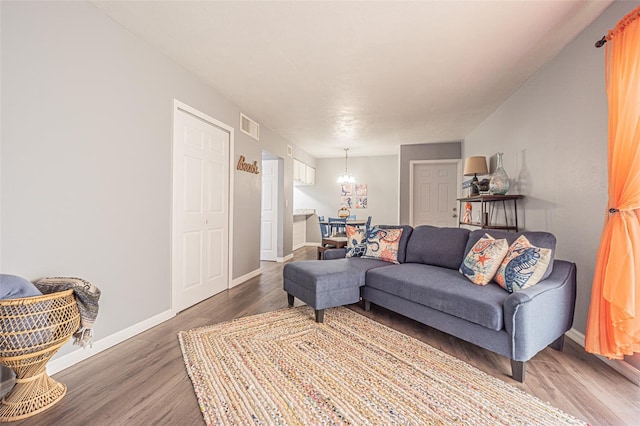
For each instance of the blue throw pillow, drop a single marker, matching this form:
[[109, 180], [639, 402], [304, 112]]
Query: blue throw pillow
[[14, 287]]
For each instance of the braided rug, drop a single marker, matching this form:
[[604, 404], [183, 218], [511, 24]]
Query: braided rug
[[284, 368]]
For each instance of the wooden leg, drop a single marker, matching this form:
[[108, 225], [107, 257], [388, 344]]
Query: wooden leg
[[319, 315], [518, 370], [558, 344], [290, 299], [367, 305]]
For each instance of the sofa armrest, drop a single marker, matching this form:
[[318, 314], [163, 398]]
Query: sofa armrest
[[537, 316], [336, 253]]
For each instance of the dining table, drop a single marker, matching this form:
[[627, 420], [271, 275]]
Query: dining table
[[352, 222], [331, 242]]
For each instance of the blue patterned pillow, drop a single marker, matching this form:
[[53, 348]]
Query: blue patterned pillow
[[356, 241], [524, 265]]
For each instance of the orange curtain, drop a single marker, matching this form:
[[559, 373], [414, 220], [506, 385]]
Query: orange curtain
[[613, 325]]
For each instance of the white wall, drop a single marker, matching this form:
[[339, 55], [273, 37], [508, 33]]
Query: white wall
[[86, 158], [379, 173], [553, 133]]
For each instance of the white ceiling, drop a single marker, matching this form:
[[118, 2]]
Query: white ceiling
[[365, 75]]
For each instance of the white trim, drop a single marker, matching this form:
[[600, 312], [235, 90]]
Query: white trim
[[621, 366], [413, 163], [65, 361], [245, 277], [178, 105], [284, 259], [300, 245]]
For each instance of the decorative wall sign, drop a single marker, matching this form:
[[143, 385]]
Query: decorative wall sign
[[247, 167]]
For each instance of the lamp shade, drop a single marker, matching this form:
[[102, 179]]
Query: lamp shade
[[475, 166]]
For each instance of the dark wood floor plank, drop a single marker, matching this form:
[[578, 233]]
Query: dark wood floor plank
[[143, 381]]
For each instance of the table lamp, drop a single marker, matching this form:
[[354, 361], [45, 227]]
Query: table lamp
[[474, 166]]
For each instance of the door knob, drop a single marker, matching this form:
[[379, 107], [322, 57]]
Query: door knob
[[454, 215]]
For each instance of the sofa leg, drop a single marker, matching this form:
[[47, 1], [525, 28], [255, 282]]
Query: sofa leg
[[518, 370], [290, 299], [319, 315], [558, 344], [367, 305]]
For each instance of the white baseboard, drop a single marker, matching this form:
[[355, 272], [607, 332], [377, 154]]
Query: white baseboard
[[65, 361], [300, 245], [245, 277], [284, 259], [621, 366]]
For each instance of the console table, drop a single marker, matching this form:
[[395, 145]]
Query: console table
[[489, 206]]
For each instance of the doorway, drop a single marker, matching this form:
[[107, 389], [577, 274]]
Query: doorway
[[269, 210], [433, 191], [200, 260]]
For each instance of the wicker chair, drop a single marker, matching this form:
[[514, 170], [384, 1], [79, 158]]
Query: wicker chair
[[32, 329]]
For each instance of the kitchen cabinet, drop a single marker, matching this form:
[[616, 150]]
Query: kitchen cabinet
[[303, 174]]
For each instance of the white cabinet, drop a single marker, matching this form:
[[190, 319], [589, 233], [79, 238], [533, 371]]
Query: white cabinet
[[303, 174], [310, 176]]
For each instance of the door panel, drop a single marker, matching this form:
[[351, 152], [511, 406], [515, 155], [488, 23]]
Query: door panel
[[201, 193], [434, 194]]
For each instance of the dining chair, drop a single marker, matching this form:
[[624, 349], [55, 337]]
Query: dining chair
[[324, 228], [337, 226]]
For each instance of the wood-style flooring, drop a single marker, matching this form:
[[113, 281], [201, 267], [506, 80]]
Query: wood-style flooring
[[143, 380]]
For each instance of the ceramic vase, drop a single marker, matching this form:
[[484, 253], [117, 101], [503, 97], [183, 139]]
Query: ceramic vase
[[499, 184]]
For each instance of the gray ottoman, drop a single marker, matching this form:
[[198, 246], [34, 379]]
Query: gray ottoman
[[322, 284]]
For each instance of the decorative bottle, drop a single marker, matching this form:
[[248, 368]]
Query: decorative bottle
[[499, 183]]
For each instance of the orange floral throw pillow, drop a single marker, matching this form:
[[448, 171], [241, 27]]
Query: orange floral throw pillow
[[484, 259], [356, 241], [382, 244], [523, 266]]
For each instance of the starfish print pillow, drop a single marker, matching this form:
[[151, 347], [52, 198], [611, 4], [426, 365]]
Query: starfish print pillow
[[484, 259]]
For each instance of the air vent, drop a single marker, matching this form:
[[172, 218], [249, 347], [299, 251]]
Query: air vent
[[249, 127]]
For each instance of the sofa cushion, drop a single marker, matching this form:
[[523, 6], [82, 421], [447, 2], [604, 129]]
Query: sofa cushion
[[356, 241], [329, 275], [523, 266], [383, 244], [406, 234], [538, 239], [431, 245], [443, 289], [484, 259]]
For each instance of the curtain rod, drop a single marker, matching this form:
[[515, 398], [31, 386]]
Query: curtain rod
[[601, 42]]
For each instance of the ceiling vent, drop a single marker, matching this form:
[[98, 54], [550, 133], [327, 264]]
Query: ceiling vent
[[249, 127]]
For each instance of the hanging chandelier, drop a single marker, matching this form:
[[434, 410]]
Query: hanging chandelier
[[346, 177]]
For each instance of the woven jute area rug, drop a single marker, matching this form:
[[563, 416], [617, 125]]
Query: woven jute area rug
[[284, 368]]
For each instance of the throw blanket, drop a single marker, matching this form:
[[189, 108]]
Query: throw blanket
[[87, 296]]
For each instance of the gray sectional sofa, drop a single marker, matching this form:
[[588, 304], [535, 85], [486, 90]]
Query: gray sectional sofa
[[427, 287]]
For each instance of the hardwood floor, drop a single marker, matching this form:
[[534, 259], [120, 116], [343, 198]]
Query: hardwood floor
[[143, 380]]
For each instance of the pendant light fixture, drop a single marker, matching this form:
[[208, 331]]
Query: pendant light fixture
[[346, 177]]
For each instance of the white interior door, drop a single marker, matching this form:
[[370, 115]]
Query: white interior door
[[269, 225], [201, 210], [434, 194]]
